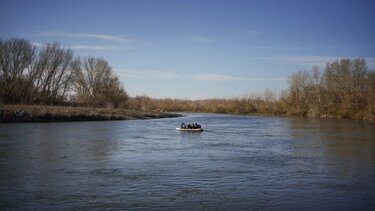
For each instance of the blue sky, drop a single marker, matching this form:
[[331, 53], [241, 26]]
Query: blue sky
[[200, 49]]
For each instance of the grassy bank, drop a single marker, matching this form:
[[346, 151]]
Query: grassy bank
[[33, 113]]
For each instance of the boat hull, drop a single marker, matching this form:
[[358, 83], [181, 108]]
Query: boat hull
[[190, 130]]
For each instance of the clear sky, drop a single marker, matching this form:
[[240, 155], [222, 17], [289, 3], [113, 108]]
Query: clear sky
[[200, 49]]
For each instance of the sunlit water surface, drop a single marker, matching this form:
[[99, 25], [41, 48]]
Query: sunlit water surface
[[238, 162]]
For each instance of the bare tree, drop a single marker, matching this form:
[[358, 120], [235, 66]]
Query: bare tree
[[298, 88], [113, 92], [54, 71], [95, 83], [16, 55], [360, 88], [347, 90]]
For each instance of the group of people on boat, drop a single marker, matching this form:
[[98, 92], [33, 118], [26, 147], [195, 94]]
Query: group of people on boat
[[190, 126]]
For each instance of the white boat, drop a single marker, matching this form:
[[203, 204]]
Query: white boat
[[189, 129]]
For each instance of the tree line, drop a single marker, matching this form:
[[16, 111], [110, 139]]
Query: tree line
[[51, 74], [266, 103], [343, 89]]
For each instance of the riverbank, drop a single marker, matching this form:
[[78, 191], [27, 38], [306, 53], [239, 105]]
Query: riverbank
[[36, 113]]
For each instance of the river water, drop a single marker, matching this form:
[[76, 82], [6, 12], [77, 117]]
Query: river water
[[237, 163]]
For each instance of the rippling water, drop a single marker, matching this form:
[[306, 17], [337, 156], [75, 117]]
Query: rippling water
[[238, 162]]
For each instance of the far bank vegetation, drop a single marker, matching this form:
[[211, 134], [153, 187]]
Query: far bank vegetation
[[51, 75], [344, 89]]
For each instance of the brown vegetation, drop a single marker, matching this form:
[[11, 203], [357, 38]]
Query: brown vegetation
[[250, 105], [345, 89]]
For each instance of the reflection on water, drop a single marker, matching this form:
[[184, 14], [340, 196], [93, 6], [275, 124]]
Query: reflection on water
[[236, 163], [347, 147]]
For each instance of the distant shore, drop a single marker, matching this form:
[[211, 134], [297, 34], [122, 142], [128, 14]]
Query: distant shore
[[36, 113]]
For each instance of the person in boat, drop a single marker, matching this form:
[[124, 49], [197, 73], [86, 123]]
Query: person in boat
[[197, 126], [189, 126], [183, 125]]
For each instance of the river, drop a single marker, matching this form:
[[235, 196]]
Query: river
[[237, 163]]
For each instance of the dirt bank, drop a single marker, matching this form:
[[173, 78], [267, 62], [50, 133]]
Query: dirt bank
[[31, 113]]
